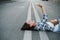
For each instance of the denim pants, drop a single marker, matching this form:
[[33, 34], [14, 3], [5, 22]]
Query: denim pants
[[58, 30]]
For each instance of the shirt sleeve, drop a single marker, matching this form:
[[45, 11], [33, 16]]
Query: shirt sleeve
[[44, 18], [41, 24]]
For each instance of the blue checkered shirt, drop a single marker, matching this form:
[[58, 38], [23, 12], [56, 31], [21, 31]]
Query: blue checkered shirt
[[42, 25]]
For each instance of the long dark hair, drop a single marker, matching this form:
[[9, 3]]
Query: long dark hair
[[27, 27]]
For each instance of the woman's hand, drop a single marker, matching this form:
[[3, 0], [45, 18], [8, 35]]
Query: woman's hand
[[42, 8], [40, 5]]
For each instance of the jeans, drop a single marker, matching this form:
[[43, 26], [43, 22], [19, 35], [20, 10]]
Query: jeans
[[58, 30]]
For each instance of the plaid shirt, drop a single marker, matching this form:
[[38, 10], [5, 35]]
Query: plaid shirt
[[42, 25]]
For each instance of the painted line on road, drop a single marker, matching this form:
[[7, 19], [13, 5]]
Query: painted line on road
[[29, 13], [36, 14], [28, 34], [43, 35]]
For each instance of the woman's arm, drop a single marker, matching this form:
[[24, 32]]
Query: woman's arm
[[42, 8], [45, 16]]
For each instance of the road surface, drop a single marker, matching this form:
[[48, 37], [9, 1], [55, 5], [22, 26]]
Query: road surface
[[14, 14]]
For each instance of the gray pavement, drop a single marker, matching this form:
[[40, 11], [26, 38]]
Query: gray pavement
[[12, 17], [14, 14]]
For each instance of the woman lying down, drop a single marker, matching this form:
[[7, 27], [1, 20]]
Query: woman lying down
[[44, 24]]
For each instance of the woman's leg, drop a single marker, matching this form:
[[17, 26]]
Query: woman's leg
[[57, 27]]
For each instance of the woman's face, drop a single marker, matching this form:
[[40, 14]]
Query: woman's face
[[31, 23]]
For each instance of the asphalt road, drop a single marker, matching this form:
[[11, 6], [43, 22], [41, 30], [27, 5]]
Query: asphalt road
[[14, 14]]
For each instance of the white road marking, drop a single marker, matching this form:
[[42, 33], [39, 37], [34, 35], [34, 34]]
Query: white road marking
[[28, 34], [43, 35], [36, 14], [29, 13]]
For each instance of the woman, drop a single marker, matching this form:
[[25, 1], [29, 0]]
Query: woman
[[44, 24]]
